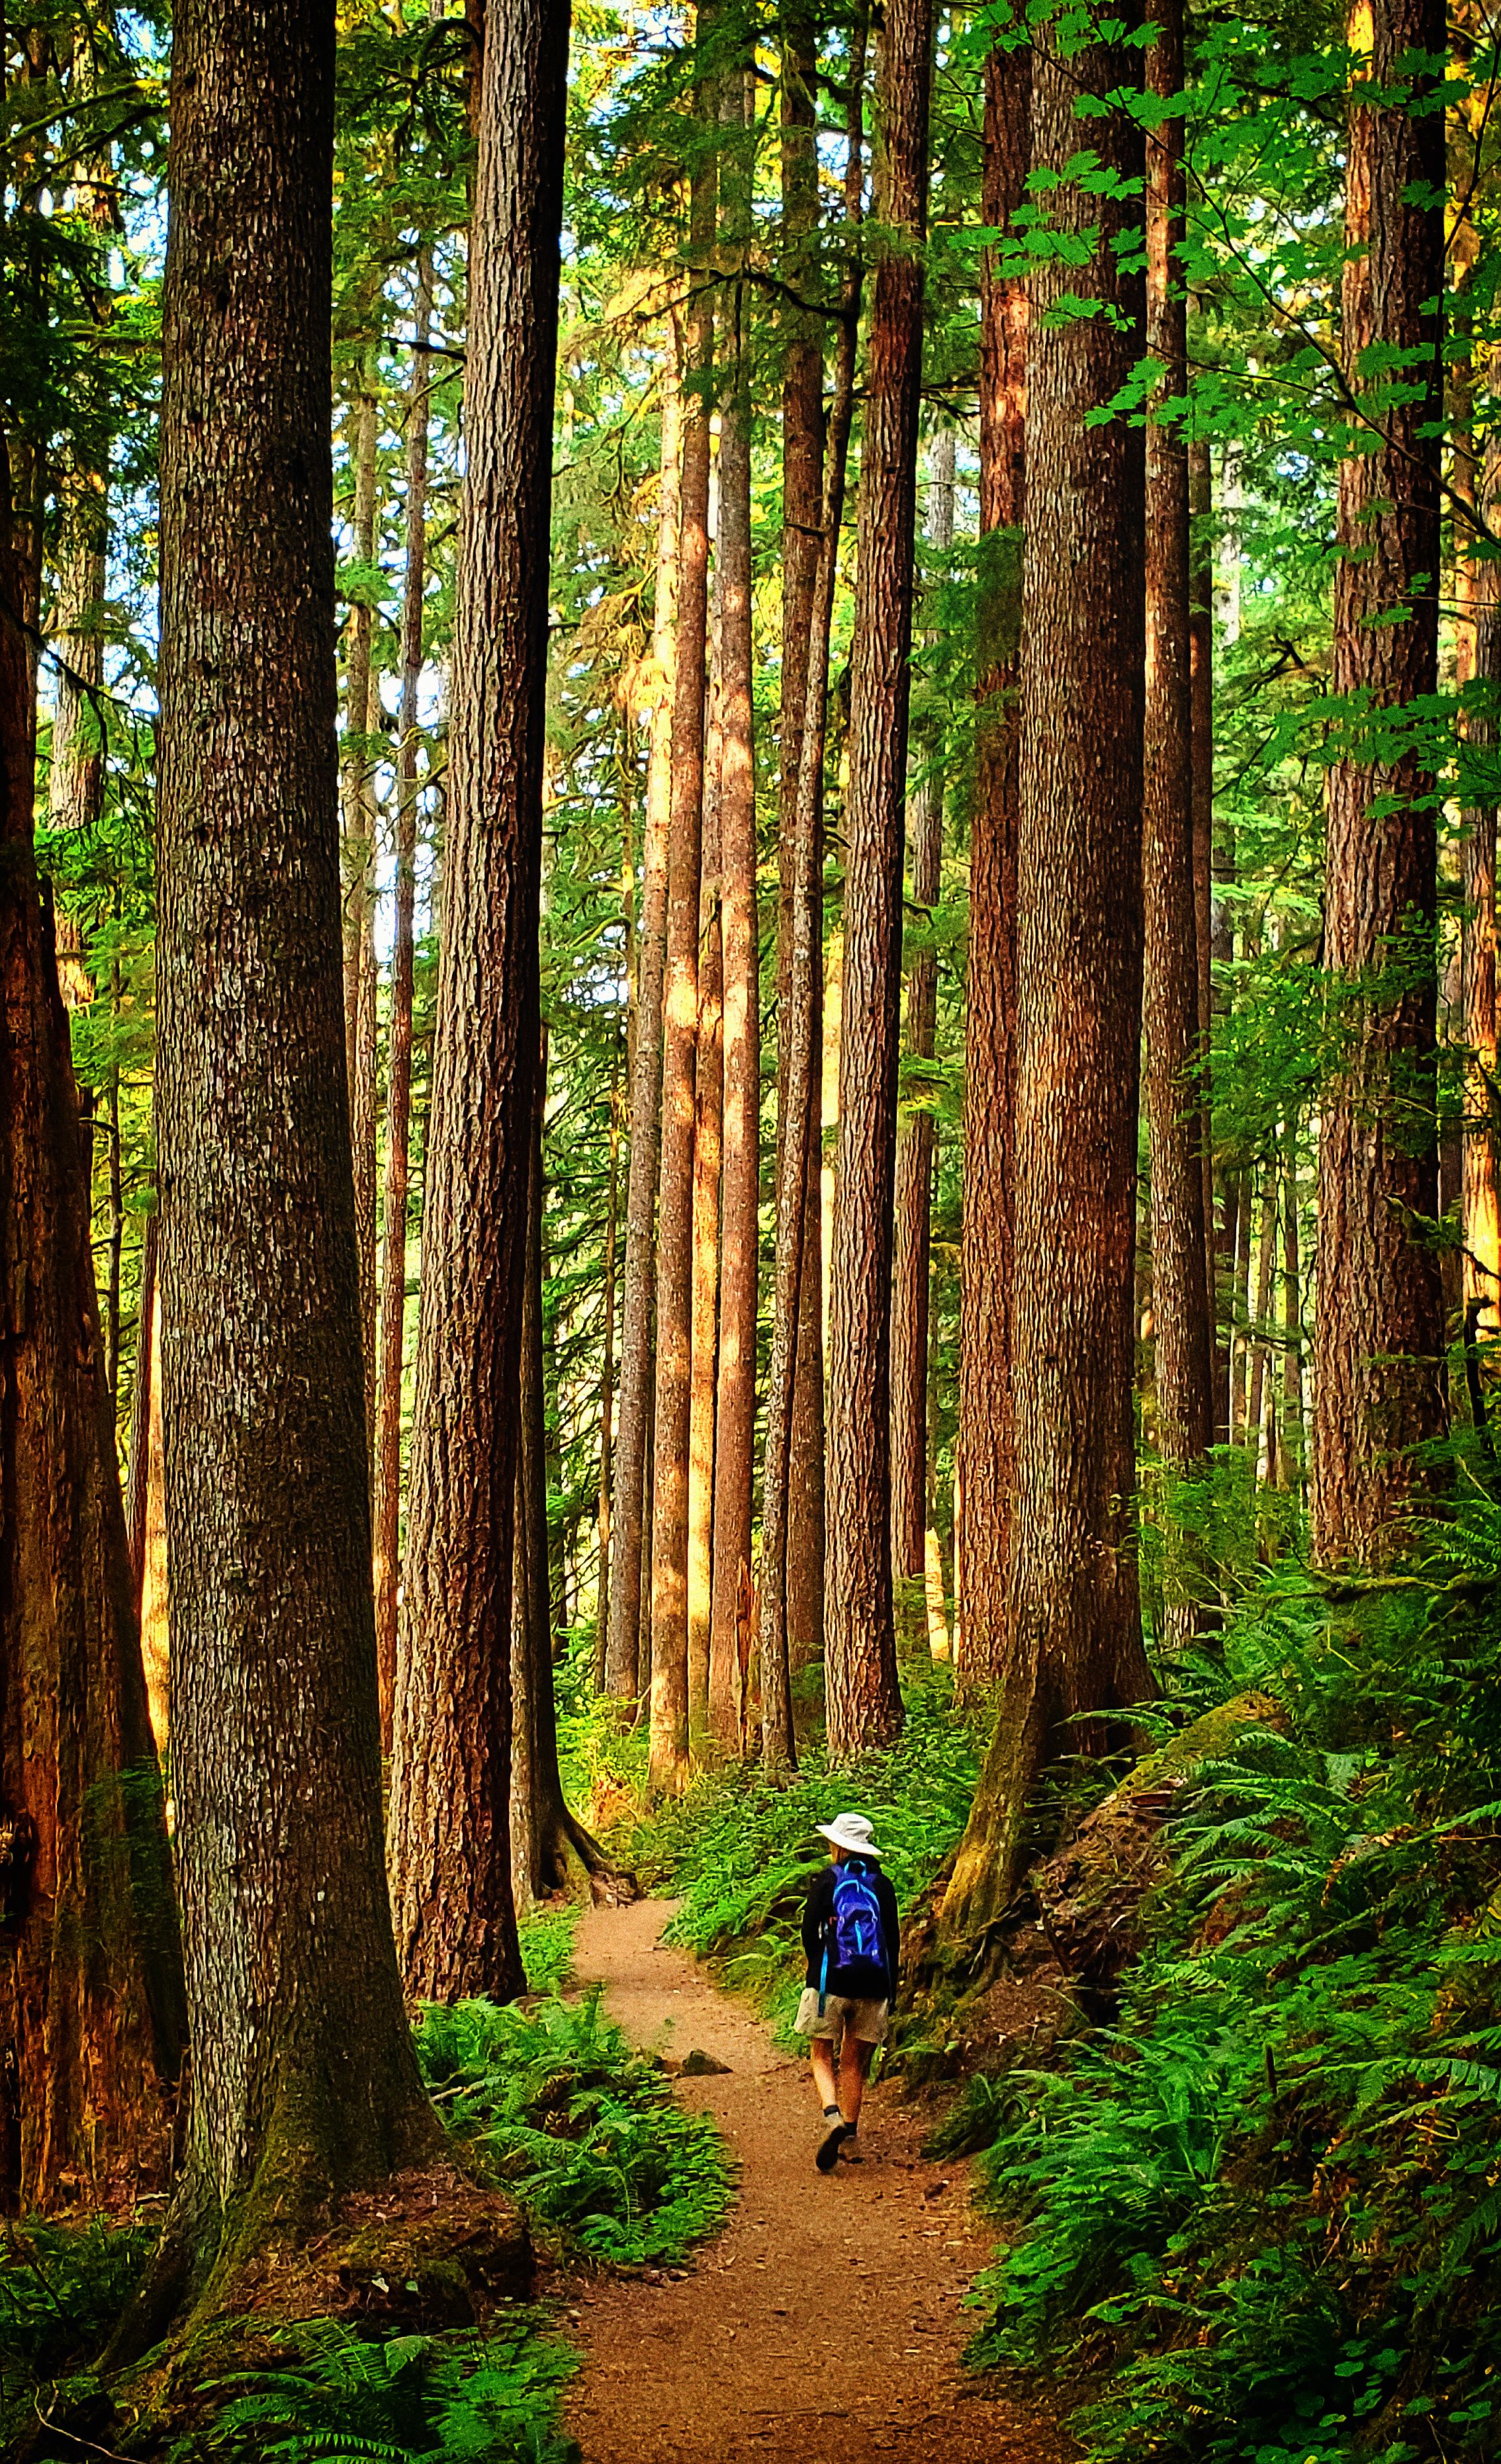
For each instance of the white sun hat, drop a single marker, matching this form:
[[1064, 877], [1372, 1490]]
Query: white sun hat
[[850, 1831]]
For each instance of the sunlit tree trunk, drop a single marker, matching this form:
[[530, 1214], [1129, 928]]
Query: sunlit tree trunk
[[804, 1074], [628, 1519], [861, 1690], [607, 1379], [913, 1199], [1072, 1641], [985, 1422], [668, 1740], [1378, 1334], [802, 502], [398, 1045], [708, 1157], [736, 1426], [451, 1880], [1201, 670]]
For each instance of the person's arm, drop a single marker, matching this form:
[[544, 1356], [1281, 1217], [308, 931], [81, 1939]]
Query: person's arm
[[815, 1914]]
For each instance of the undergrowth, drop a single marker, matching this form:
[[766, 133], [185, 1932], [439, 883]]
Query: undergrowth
[[584, 2130], [1261, 2213], [741, 1848]]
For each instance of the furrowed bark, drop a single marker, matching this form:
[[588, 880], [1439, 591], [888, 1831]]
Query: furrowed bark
[[305, 2081], [863, 1692], [986, 1440], [398, 1047], [1072, 1641], [1184, 1367], [914, 1199], [1379, 1390], [450, 1881]]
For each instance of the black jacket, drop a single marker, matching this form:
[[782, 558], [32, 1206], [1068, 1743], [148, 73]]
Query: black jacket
[[818, 1916]]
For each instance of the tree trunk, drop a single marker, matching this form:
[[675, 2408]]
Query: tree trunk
[[1184, 1367], [398, 1045], [1478, 933], [91, 2007], [305, 2081], [736, 1424], [669, 1746], [1073, 1643], [986, 1429], [622, 1661], [142, 1396], [708, 1156], [862, 1688], [361, 708], [1261, 1318], [914, 1200], [607, 1381], [796, 1179], [802, 505], [1201, 689], [543, 1832], [451, 1883], [1379, 1388], [1292, 1314]]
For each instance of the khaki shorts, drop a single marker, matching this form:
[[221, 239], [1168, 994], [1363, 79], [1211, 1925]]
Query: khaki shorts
[[866, 2021]]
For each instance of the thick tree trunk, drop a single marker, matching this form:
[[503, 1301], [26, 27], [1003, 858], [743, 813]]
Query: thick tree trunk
[[736, 1421], [1073, 1643], [796, 1178], [913, 1199], [1184, 1367], [986, 1430], [398, 1044], [451, 1882], [304, 2083], [802, 506], [91, 1994], [1378, 1388], [623, 1673], [862, 1688], [668, 1744], [362, 708]]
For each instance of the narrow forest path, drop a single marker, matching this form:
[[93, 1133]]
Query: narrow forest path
[[824, 2325]]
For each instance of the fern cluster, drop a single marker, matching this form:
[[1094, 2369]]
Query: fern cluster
[[585, 2131], [1262, 2213]]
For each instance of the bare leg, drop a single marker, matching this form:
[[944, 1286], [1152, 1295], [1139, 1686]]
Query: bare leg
[[822, 2051], [854, 2065]]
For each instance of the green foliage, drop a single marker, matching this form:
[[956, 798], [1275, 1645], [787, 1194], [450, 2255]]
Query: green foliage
[[741, 1848], [584, 2130], [547, 1946], [62, 2286], [1262, 2213], [345, 2399]]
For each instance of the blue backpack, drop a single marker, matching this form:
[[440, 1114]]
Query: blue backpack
[[854, 1938]]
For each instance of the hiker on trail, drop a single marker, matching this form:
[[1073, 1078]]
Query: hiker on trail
[[850, 1932]]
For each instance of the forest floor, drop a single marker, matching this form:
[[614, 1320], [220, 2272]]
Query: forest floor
[[826, 2323]]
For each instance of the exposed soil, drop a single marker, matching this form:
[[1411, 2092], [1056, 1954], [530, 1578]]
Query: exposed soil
[[827, 2320]]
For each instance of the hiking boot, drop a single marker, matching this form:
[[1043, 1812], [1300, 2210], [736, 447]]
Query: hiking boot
[[827, 2156]]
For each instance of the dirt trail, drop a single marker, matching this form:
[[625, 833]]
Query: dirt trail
[[825, 2323]]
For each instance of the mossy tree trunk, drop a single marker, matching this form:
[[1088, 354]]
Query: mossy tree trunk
[[304, 2079]]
